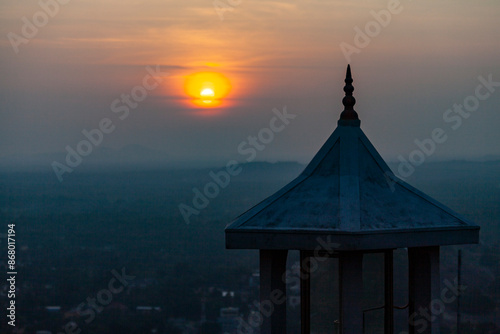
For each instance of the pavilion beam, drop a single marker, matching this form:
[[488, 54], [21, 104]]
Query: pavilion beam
[[351, 292], [305, 292], [273, 291], [424, 287]]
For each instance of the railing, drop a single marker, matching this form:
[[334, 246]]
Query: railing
[[380, 308]]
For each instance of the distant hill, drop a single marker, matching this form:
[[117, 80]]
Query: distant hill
[[100, 157]]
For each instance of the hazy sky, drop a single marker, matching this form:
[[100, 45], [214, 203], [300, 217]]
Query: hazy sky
[[418, 63]]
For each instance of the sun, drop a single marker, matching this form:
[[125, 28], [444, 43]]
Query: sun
[[207, 92], [207, 89]]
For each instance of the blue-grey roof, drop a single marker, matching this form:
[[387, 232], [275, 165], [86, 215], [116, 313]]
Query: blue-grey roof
[[348, 190]]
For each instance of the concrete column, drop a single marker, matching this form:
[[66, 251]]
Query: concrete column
[[389, 292], [351, 292], [424, 290], [305, 292], [273, 291]]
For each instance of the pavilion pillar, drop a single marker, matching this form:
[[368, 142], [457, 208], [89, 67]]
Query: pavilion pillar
[[424, 288], [389, 292], [305, 292], [351, 292], [273, 291]]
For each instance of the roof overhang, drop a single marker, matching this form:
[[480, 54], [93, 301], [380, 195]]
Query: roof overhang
[[349, 241]]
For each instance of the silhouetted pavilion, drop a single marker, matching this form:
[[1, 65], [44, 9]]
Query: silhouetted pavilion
[[348, 197]]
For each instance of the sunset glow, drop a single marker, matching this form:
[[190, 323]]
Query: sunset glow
[[207, 89], [160, 69]]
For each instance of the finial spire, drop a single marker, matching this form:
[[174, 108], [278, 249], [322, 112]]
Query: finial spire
[[349, 101]]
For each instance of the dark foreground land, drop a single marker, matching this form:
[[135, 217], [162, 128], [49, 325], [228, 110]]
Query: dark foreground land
[[73, 238]]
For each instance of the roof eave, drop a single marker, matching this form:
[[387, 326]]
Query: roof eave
[[350, 240]]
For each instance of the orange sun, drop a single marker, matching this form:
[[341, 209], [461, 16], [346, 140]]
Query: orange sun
[[207, 89]]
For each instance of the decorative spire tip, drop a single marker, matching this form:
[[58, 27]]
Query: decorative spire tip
[[349, 101]]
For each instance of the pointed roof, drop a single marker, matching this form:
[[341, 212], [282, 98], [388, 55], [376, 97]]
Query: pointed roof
[[348, 194]]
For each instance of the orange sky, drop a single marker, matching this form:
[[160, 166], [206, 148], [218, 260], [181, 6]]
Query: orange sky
[[275, 53]]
